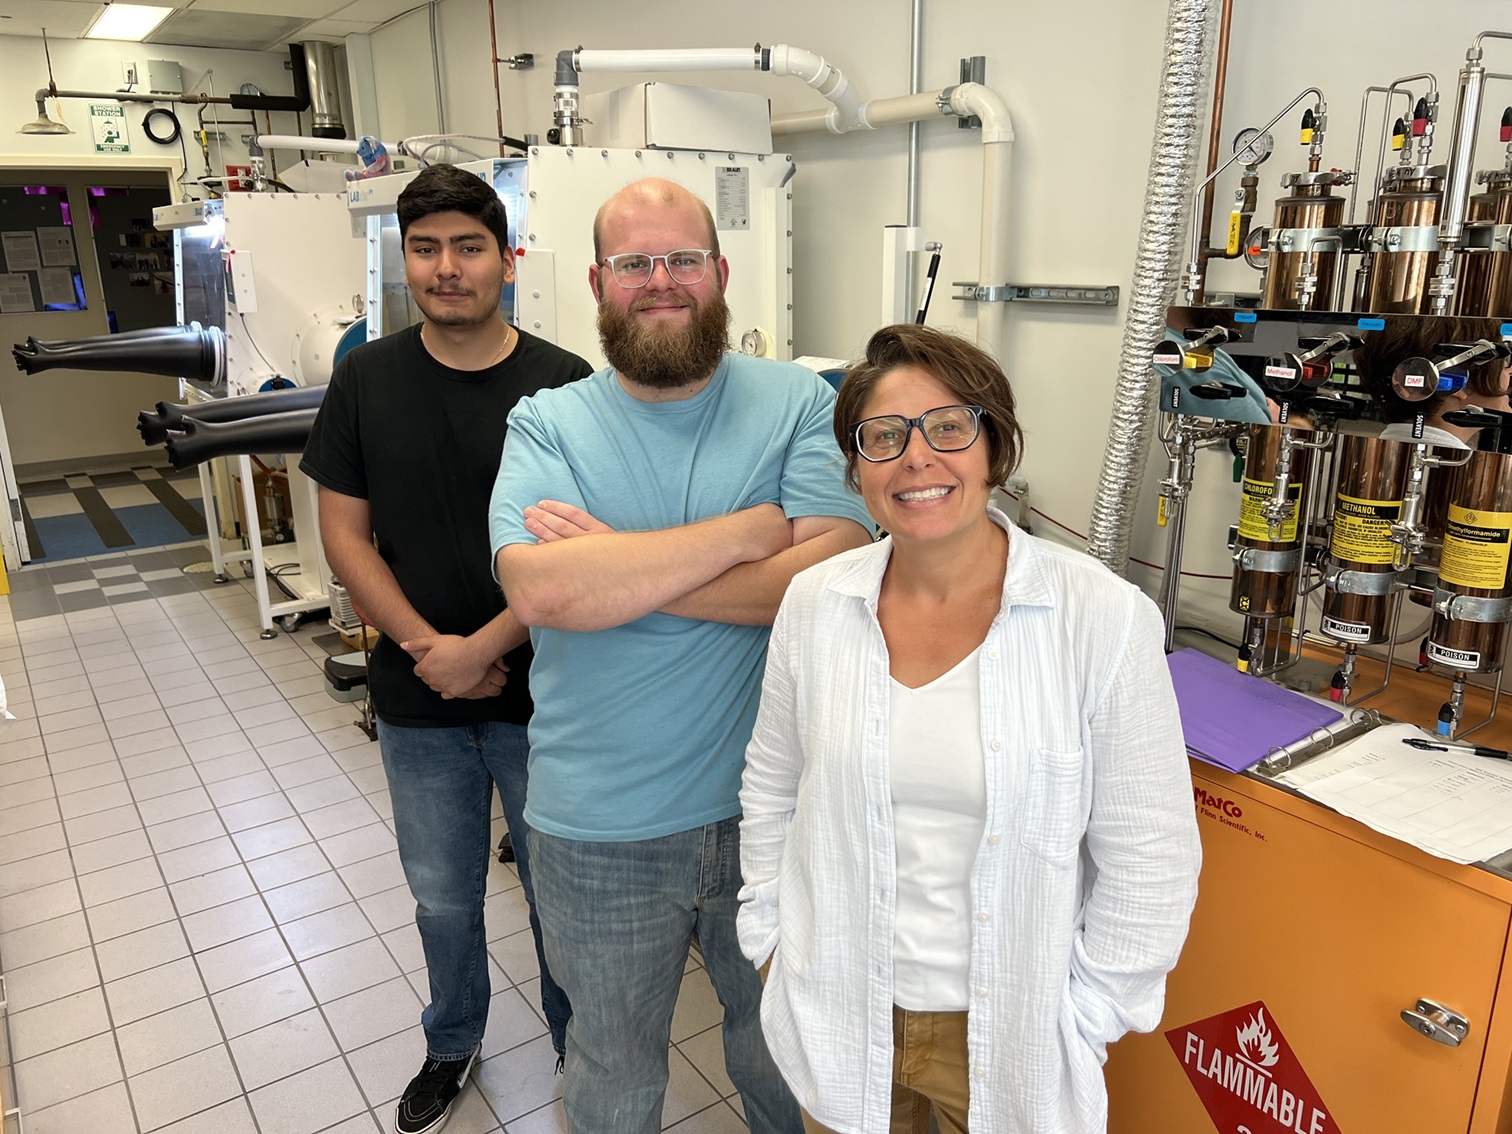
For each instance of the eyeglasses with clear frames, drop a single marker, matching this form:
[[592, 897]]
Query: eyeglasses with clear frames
[[946, 429], [635, 269]]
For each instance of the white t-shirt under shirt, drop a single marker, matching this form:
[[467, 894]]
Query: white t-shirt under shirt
[[939, 797]]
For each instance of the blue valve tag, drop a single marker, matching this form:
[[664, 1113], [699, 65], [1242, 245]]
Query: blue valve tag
[[1249, 317], [1371, 324]]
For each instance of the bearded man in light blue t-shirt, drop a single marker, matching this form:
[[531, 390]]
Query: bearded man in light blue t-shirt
[[645, 523]]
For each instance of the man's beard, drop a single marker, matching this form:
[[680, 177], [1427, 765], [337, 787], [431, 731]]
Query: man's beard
[[665, 358]]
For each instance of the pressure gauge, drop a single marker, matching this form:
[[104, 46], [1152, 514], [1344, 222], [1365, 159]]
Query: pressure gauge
[[1252, 146]]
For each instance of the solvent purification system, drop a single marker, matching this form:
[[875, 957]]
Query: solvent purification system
[[1365, 483]]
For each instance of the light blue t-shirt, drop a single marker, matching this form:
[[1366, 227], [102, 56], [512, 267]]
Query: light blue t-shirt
[[640, 730]]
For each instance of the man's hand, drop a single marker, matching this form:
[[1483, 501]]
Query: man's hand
[[450, 665], [552, 520]]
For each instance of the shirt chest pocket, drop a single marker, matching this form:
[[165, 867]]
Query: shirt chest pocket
[[1053, 820]]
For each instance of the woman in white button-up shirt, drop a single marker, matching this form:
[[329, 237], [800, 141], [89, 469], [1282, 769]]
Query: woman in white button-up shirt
[[968, 819]]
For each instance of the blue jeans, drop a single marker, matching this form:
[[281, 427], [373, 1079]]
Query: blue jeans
[[442, 781], [617, 920]]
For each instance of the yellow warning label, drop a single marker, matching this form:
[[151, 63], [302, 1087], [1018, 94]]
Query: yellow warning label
[[1161, 517], [1476, 544], [1362, 530], [1252, 522], [1236, 221]]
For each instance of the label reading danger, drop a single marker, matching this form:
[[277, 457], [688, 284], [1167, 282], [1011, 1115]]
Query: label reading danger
[[1476, 544], [1252, 522], [1362, 530], [1453, 659], [1346, 631]]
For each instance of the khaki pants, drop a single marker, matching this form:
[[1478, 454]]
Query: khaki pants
[[930, 1064]]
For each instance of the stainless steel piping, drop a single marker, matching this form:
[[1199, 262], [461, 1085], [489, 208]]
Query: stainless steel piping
[[1168, 188], [915, 85]]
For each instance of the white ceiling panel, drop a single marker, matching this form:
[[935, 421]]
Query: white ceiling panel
[[63, 19], [377, 11], [306, 9], [243, 30], [333, 31]]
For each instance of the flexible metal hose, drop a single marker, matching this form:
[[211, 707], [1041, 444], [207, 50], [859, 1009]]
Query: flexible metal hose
[[1168, 194]]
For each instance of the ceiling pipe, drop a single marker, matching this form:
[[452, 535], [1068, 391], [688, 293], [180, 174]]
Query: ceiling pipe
[[847, 111], [297, 102]]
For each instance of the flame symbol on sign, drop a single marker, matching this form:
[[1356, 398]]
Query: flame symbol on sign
[[1255, 1042]]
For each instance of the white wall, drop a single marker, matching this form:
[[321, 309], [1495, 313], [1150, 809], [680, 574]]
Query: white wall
[[1080, 79]]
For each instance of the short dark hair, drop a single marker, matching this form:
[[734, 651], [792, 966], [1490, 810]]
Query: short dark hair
[[1416, 336], [443, 188], [971, 375]]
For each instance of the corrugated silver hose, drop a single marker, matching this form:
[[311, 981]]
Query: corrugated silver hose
[[1168, 197]]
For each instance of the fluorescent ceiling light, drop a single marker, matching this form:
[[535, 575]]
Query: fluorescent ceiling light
[[133, 22]]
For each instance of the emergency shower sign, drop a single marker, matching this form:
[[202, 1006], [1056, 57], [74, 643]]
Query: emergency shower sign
[[1247, 1076], [107, 122]]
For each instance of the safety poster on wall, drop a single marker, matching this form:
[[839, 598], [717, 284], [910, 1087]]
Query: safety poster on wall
[[107, 122]]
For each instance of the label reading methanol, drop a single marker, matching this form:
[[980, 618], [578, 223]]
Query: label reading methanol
[[1346, 631], [1252, 522], [1454, 659], [1362, 530], [1476, 547]]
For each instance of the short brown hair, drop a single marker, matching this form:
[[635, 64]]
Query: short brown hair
[[970, 374], [1416, 336]]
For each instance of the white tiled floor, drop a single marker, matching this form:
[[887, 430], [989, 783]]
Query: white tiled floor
[[204, 928]]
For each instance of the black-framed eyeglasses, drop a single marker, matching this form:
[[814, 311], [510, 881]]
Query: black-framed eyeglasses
[[635, 269], [946, 429]]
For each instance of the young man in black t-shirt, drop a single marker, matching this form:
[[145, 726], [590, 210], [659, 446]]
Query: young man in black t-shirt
[[406, 448]]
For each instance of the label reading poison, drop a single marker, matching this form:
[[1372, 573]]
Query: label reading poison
[[1346, 631], [1454, 659], [1362, 530], [1252, 522], [1476, 544]]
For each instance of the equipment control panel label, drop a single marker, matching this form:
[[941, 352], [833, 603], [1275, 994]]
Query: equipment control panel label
[[1362, 530], [732, 197], [1247, 1075], [1252, 522], [1476, 546]]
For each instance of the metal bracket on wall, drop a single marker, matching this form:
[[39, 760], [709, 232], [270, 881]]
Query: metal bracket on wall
[[973, 70], [522, 62], [972, 292]]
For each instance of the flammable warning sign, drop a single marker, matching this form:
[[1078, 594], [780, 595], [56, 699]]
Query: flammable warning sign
[[1247, 1075]]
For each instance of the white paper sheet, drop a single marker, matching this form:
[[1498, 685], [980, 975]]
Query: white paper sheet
[[21, 254], [16, 293], [57, 244], [57, 285], [1452, 804]]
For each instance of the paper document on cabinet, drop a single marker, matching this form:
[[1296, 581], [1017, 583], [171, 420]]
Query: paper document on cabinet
[[1451, 804]]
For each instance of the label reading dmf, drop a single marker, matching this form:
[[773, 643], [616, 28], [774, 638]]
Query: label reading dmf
[[1476, 546], [1362, 530], [1252, 522]]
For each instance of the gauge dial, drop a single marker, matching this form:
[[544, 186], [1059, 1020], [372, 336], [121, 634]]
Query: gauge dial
[[1252, 146]]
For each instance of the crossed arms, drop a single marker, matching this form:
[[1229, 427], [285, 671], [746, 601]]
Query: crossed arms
[[584, 575]]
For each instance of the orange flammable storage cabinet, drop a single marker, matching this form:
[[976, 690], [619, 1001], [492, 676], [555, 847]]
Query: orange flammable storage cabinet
[[1311, 937]]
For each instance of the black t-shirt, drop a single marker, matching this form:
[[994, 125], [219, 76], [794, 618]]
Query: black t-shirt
[[421, 443]]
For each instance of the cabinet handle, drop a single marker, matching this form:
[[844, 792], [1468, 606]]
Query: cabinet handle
[[1440, 1024], [16, 1114]]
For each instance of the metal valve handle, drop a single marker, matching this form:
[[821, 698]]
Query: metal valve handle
[[1440, 1024]]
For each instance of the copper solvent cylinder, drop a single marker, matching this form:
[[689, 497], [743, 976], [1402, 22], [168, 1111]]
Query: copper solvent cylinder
[[1372, 475], [1309, 206], [1475, 267], [1412, 199], [1474, 562], [1268, 594]]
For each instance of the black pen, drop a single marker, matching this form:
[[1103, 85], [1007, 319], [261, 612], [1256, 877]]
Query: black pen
[[1473, 749]]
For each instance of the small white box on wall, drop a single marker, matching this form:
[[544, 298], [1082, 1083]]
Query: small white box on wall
[[669, 116]]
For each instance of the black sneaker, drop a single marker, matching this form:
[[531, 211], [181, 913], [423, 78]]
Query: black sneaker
[[427, 1101]]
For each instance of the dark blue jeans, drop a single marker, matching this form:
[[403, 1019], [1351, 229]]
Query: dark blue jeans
[[442, 781], [617, 920]]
